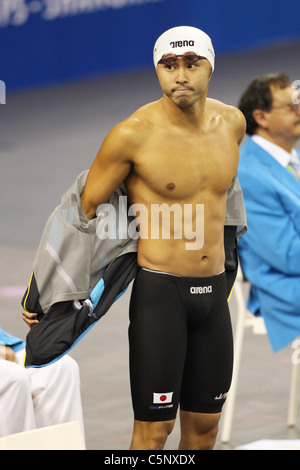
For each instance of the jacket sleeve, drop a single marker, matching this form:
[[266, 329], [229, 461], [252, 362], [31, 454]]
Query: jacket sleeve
[[273, 221], [235, 209]]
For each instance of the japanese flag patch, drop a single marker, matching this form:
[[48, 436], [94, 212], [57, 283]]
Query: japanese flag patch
[[162, 398]]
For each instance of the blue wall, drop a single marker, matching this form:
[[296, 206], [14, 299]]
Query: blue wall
[[50, 41]]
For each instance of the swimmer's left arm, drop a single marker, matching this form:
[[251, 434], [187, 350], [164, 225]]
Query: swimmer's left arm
[[241, 121], [29, 318], [238, 121]]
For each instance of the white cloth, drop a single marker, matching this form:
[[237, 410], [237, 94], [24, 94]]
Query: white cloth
[[34, 398]]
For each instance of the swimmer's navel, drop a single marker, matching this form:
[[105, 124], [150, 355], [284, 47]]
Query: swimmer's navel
[[171, 186]]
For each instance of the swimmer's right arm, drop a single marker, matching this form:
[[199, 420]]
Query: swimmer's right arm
[[110, 167]]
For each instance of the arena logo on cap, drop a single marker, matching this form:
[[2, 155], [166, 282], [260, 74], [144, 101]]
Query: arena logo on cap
[[184, 43]]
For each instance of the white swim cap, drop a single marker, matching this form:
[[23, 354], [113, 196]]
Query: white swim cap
[[184, 39]]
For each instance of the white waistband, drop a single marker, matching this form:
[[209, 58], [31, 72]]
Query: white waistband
[[160, 272], [171, 274]]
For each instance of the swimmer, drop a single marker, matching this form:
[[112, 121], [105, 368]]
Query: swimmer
[[183, 149]]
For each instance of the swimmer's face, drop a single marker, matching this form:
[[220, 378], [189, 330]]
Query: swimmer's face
[[184, 83]]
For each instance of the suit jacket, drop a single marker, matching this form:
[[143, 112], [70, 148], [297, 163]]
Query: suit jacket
[[270, 250]]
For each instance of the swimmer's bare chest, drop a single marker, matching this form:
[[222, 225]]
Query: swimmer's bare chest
[[189, 171], [172, 167]]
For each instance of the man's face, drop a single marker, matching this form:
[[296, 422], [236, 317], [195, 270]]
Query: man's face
[[283, 120], [184, 83]]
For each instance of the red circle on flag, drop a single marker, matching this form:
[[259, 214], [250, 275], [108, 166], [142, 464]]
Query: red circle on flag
[[163, 398]]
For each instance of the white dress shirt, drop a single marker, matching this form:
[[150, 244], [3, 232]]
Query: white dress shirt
[[282, 156]]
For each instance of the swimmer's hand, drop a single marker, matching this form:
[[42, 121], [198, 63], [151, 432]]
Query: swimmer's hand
[[30, 318]]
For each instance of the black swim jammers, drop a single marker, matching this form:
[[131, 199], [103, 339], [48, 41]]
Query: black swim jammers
[[181, 347]]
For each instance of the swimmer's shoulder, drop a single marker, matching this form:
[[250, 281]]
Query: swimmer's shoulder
[[138, 126], [126, 139], [229, 112], [231, 115]]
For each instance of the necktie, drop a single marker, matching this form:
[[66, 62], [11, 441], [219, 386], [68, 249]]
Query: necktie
[[294, 168]]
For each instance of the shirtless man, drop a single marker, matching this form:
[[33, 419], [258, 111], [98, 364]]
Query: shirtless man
[[180, 149]]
